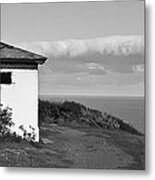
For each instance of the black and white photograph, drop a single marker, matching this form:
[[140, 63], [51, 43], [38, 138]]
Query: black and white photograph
[[72, 85]]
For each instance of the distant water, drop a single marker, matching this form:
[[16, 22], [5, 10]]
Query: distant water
[[130, 109]]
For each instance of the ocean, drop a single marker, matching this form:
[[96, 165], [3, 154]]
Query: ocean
[[130, 109]]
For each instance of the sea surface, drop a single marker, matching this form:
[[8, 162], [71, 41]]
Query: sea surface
[[130, 109]]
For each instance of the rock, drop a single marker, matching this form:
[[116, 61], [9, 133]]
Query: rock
[[47, 141]]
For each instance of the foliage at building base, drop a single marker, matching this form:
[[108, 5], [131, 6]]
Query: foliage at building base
[[5, 128]]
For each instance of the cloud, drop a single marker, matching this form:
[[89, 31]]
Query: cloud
[[84, 83], [95, 68], [78, 78], [100, 56], [111, 65], [111, 45], [138, 68]]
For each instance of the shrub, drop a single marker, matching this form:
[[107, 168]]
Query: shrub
[[5, 120], [6, 124], [29, 136], [73, 114]]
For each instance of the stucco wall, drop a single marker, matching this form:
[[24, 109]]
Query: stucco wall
[[22, 97]]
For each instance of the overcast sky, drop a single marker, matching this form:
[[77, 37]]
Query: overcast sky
[[94, 48]]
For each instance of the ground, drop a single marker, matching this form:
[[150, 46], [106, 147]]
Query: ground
[[66, 147]]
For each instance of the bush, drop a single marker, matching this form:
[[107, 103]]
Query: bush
[[28, 136], [6, 124], [75, 114], [5, 120]]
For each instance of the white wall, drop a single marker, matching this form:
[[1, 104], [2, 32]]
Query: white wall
[[22, 97]]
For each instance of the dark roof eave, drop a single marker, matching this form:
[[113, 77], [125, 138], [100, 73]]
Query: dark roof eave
[[20, 61]]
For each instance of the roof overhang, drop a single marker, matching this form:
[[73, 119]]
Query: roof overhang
[[23, 61], [14, 57]]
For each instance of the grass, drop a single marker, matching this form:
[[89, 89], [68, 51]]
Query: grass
[[133, 146], [76, 148]]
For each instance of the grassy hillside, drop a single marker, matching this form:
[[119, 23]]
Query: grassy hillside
[[65, 147], [74, 136], [74, 114]]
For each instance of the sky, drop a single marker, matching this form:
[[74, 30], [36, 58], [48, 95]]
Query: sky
[[93, 48]]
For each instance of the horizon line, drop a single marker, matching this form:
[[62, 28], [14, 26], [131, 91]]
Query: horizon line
[[142, 96]]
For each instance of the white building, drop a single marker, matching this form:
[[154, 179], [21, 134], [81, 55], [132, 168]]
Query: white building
[[19, 86]]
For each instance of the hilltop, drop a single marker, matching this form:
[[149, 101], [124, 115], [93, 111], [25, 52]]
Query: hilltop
[[74, 114]]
